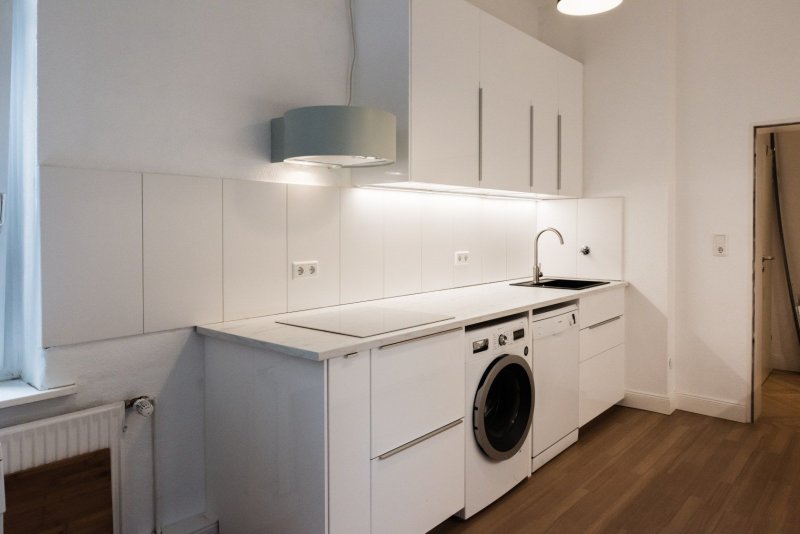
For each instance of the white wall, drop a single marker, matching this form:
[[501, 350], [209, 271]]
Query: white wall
[[522, 14], [675, 88], [737, 67], [629, 151]]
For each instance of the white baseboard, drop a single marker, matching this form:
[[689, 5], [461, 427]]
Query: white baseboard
[[648, 401], [712, 407], [197, 524]]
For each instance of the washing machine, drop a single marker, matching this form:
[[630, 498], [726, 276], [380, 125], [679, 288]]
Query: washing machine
[[500, 398]]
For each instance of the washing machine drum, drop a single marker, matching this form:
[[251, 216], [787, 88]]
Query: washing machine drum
[[503, 407]]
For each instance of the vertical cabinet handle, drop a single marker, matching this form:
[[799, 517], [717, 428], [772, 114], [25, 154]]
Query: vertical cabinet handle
[[2, 209], [530, 147], [558, 172], [480, 134]]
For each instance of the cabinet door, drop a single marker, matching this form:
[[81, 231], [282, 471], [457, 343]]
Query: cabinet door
[[419, 487], [600, 230], [348, 444], [570, 125], [505, 107], [444, 92], [544, 116], [602, 380], [417, 387]]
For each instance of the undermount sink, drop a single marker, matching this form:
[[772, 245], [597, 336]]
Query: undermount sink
[[560, 283]]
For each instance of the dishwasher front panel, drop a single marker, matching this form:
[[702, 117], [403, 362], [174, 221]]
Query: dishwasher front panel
[[556, 349]]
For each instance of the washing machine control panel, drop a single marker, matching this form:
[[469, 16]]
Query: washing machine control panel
[[500, 338]]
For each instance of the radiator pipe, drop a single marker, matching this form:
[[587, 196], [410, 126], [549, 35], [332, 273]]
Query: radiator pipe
[[146, 407]]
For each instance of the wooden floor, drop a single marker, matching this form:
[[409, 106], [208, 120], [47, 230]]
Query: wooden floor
[[639, 472]]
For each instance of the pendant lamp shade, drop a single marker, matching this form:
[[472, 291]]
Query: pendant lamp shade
[[337, 136], [586, 7]]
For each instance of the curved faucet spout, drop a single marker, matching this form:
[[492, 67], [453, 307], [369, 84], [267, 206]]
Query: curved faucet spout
[[537, 267]]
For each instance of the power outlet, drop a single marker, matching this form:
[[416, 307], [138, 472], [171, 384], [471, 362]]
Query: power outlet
[[462, 257], [305, 269], [720, 245]]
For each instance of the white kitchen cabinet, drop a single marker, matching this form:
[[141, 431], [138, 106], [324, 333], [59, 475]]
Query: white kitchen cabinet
[[602, 380], [91, 255], [443, 134], [544, 116], [600, 238], [419, 60], [419, 487], [570, 127], [506, 129], [368, 442], [349, 444], [602, 354], [182, 227], [417, 387]]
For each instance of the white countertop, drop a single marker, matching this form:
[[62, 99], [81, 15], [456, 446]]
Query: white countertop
[[467, 305]]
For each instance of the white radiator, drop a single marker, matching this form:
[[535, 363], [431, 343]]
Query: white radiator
[[49, 440]]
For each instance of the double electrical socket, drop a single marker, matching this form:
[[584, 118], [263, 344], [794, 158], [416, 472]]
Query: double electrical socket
[[462, 257], [305, 269]]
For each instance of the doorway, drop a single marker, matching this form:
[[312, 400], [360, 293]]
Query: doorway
[[776, 259]]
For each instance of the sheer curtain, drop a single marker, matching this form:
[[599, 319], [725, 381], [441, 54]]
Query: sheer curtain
[[21, 333]]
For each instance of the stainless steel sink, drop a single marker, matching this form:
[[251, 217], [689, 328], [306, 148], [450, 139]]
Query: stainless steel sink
[[561, 283]]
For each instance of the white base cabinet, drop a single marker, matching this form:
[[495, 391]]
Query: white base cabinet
[[419, 487], [370, 442], [602, 353]]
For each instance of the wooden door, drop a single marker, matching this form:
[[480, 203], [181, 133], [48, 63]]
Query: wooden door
[[762, 267]]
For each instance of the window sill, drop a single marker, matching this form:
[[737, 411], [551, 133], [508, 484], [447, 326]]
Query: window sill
[[17, 392]]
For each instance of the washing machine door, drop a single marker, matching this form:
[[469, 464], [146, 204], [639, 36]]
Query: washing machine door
[[503, 407]]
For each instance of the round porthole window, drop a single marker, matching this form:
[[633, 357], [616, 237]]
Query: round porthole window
[[503, 407]]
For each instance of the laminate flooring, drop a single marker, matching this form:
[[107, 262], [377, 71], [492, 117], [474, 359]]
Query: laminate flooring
[[634, 472]]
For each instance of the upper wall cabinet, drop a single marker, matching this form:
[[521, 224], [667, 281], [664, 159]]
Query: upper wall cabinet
[[478, 103], [570, 127], [419, 60], [506, 107], [544, 117]]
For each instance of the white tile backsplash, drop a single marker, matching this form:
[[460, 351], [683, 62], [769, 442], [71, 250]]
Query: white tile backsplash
[[520, 220], [217, 249], [182, 219], [494, 221], [437, 241], [313, 235], [558, 259], [402, 244], [467, 236], [254, 248], [91, 255], [362, 244]]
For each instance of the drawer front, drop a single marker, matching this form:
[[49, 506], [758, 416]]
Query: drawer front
[[602, 380], [597, 308], [417, 387], [602, 336], [418, 488]]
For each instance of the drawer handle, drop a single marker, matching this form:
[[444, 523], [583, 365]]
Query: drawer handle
[[605, 322], [419, 440], [417, 338]]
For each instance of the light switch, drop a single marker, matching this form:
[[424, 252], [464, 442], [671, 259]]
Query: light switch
[[720, 245]]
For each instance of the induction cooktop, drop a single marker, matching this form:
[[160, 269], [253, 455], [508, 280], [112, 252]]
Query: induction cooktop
[[364, 322]]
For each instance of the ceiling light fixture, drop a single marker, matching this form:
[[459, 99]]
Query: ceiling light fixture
[[586, 7], [336, 136]]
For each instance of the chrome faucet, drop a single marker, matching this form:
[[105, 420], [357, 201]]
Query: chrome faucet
[[537, 267]]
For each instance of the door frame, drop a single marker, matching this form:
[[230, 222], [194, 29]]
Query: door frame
[[751, 400]]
